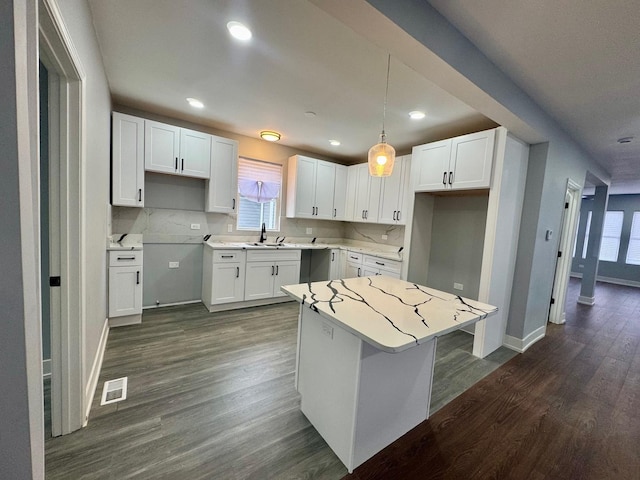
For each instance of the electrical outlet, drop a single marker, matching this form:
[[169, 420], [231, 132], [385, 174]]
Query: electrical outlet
[[195, 226], [229, 227], [458, 286], [384, 237], [309, 231], [327, 330], [174, 264]]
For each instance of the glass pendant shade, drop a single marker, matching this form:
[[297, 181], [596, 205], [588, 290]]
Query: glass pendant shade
[[381, 159]]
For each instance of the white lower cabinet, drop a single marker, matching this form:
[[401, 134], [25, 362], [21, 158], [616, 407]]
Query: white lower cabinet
[[336, 270], [223, 275], [267, 271], [125, 286], [353, 265], [380, 266]]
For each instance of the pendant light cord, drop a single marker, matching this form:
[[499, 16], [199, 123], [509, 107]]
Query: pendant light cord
[[386, 93]]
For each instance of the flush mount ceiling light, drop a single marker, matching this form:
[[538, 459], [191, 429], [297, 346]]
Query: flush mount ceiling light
[[416, 115], [239, 31], [195, 103], [625, 140], [335, 143], [382, 155], [270, 136]]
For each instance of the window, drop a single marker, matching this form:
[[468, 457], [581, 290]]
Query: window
[[611, 230], [575, 240], [587, 230], [259, 185], [633, 252]]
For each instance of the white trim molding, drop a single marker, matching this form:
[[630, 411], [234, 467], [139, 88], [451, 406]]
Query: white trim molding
[[615, 281], [94, 374], [521, 345], [586, 300]]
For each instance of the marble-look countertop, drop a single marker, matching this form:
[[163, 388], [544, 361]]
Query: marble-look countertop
[[390, 314], [132, 241]]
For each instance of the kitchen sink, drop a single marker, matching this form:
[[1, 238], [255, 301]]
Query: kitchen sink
[[266, 244]]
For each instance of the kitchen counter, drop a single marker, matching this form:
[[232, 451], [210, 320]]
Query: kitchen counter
[[365, 357], [132, 241]]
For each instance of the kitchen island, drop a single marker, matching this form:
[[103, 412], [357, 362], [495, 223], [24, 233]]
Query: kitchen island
[[365, 356]]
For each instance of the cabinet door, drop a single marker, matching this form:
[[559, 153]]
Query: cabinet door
[[471, 160], [362, 192], [405, 191], [222, 187], [352, 270], [228, 283], [259, 278], [430, 166], [373, 205], [325, 184], [305, 182], [161, 147], [125, 291], [370, 272], [127, 160], [390, 194], [195, 153], [352, 184], [340, 193], [287, 273], [335, 267]]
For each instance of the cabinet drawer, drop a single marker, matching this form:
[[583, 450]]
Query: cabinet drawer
[[354, 257], [382, 263], [272, 255], [125, 257], [224, 256]]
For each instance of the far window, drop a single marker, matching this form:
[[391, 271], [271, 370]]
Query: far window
[[259, 185], [611, 230], [587, 231], [633, 252]]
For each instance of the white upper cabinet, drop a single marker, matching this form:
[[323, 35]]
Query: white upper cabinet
[[340, 193], [222, 187], [127, 162], [394, 191], [455, 164], [310, 188], [367, 194], [176, 151]]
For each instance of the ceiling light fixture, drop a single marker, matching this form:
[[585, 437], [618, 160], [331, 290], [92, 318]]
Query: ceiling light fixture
[[239, 31], [382, 155], [335, 143], [270, 136], [195, 103], [416, 115]]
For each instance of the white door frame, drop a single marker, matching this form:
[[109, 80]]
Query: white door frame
[[66, 153], [567, 237]]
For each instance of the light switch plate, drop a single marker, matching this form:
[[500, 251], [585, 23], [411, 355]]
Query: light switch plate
[[174, 264], [384, 237], [195, 226], [458, 286], [229, 227]]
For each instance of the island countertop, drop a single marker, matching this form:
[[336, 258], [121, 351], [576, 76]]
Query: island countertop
[[390, 314]]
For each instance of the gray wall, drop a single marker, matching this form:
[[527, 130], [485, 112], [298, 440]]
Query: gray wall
[[549, 165], [163, 285], [617, 270]]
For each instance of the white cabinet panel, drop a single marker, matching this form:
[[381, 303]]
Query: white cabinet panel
[[125, 290], [340, 194], [431, 165], [222, 187], [161, 147], [394, 191], [310, 188], [227, 283], [195, 153], [324, 189], [127, 160], [367, 194], [259, 280], [287, 273]]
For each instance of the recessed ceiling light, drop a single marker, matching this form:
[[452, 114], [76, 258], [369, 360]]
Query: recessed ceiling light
[[416, 115], [335, 143], [625, 140], [239, 31], [270, 136], [195, 103]]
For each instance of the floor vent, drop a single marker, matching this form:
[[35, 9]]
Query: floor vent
[[114, 391]]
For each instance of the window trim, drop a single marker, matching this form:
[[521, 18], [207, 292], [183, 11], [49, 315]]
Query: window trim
[[278, 200]]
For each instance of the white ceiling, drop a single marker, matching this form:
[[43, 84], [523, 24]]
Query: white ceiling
[[300, 59], [577, 59]]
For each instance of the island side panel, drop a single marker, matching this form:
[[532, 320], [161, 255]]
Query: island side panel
[[393, 397], [328, 370]]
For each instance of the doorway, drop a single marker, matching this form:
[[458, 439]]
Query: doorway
[[563, 265]]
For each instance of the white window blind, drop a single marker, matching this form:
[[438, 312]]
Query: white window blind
[[611, 230], [259, 186], [587, 230], [633, 252]]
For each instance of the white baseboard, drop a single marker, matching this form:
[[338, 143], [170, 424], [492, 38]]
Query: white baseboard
[[171, 304], [521, 345], [615, 281], [94, 375], [46, 368], [587, 300]]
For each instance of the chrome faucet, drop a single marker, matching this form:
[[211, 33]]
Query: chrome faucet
[[263, 233]]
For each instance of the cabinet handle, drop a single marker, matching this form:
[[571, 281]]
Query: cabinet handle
[[237, 272], [272, 270], [226, 256], [277, 269], [176, 164], [182, 169], [444, 178], [355, 258], [366, 214], [126, 258], [138, 277], [335, 213], [233, 204], [450, 178], [333, 256], [139, 194], [380, 263], [358, 271], [394, 215], [398, 216]]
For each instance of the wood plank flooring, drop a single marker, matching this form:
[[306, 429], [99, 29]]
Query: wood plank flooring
[[568, 408], [212, 396]]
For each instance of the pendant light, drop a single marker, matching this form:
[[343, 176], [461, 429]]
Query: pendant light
[[382, 155]]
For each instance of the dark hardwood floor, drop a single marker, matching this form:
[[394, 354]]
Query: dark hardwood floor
[[568, 408]]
